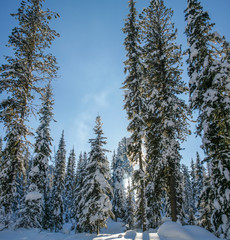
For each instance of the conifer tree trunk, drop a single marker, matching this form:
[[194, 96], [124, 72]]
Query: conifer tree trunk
[[172, 195], [98, 228]]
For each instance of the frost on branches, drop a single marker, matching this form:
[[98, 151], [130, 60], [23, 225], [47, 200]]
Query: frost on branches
[[95, 206], [22, 78], [209, 71]]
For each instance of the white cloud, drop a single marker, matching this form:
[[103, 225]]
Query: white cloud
[[80, 131], [82, 127], [99, 100]]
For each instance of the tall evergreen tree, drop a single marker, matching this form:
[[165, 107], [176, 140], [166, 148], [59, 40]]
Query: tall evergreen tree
[[118, 187], [80, 165], [199, 179], [134, 102], [59, 186], [166, 115], [205, 206], [130, 208], [95, 202], [77, 208], [113, 166], [69, 186], [34, 212], [187, 192], [209, 70], [21, 78]]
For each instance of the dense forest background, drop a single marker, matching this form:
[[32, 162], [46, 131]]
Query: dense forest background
[[145, 181]]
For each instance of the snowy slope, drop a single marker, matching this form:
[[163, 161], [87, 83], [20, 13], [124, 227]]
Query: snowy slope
[[115, 231]]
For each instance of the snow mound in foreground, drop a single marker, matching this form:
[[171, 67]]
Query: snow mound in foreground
[[115, 231], [199, 233], [174, 231]]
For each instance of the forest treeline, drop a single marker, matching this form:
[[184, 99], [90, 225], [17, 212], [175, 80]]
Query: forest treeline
[[34, 194]]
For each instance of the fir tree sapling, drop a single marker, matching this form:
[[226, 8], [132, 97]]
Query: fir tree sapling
[[95, 206]]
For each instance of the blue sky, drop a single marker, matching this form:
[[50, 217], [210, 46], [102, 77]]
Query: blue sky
[[90, 54]]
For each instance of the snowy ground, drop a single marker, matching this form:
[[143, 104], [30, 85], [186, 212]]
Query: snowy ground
[[115, 231]]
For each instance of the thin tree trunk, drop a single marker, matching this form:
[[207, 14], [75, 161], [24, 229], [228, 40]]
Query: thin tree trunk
[[172, 195], [98, 229]]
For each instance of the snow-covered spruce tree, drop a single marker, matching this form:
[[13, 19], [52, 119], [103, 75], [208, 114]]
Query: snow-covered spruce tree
[[199, 180], [79, 168], [134, 103], [59, 186], [154, 204], [166, 124], [33, 213], [80, 174], [205, 205], [122, 153], [85, 158], [166, 209], [95, 203], [209, 70], [187, 194], [113, 165], [118, 200], [154, 175], [21, 78], [130, 209], [69, 186], [178, 186]]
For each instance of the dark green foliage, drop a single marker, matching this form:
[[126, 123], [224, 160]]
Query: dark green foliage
[[80, 174], [120, 167], [134, 101], [166, 114], [59, 186], [32, 213], [153, 197], [187, 192], [21, 78], [94, 205], [130, 209], [209, 70], [69, 186]]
